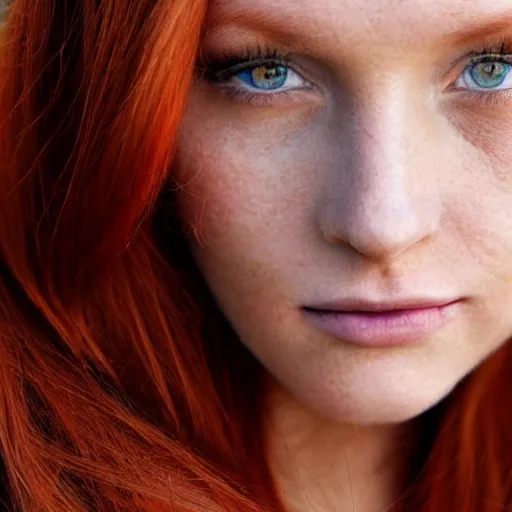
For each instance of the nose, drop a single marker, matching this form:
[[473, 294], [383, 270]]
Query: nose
[[382, 198]]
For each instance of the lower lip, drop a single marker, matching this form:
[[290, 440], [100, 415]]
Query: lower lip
[[383, 329]]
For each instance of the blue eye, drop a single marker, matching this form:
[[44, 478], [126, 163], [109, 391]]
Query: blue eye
[[488, 75], [262, 78], [267, 77]]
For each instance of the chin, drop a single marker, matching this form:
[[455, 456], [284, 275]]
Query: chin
[[386, 410], [368, 401]]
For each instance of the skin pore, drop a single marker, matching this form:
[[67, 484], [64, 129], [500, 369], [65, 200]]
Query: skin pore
[[378, 169]]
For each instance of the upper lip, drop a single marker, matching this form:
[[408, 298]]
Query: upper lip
[[365, 305]]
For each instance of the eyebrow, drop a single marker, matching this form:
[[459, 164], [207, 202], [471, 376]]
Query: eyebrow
[[478, 27], [500, 24], [253, 19]]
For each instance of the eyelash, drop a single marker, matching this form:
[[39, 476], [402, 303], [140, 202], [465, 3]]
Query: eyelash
[[500, 52], [225, 62], [502, 49], [223, 67]]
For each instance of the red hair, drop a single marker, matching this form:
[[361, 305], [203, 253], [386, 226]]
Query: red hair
[[122, 385]]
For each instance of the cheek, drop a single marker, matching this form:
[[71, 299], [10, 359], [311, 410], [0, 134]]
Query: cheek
[[245, 177], [478, 199], [228, 197], [488, 130], [233, 199], [249, 181]]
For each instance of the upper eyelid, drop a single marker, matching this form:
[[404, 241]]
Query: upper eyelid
[[498, 49], [475, 59], [451, 44]]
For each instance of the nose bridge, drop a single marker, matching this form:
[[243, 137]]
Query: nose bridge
[[378, 152], [381, 203]]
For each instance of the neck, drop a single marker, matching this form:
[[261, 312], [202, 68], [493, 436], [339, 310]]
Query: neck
[[325, 466]]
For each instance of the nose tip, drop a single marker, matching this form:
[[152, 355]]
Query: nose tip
[[382, 228]]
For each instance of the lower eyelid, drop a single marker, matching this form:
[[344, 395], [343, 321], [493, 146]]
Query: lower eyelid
[[497, 98], [289, 96], [244, 88], [254, 98]]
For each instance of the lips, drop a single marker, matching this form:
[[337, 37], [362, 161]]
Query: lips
[[364, 305], [382, 324]]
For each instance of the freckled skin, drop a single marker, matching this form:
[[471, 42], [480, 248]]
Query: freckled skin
[[378, 182]]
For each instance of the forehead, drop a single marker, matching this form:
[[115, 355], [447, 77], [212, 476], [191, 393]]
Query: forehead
[[412, 21]]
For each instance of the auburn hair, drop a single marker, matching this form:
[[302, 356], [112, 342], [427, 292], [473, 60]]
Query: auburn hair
[[122, 386]]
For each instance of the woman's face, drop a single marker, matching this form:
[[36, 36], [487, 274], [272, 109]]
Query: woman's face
[[337, 150]]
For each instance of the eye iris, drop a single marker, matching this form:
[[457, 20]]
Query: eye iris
[[267, 77], [489, 74]]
